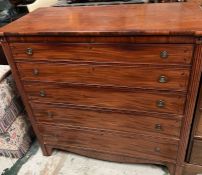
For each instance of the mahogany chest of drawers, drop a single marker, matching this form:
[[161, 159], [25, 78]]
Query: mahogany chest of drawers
[[110, 85]]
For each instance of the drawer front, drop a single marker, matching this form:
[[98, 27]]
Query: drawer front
[[196, 154], [107, 75], [111, 142], [116, 53], [106, 98], [97, 119]]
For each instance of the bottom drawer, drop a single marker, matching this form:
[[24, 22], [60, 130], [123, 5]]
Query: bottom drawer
[[196, 154], [133, 145]]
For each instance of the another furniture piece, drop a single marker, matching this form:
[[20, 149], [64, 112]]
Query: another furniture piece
[[194, 154], [115, 83]]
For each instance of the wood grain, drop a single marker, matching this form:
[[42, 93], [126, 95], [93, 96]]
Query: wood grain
[[103, 120], [131, 145], [105, 98], [113, 157], [110, 53], [190, 107], [146, 77], [196, 132], [133, 19], [20, 88]]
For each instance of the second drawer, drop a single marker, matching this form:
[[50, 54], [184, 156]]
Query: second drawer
[[108, 75]]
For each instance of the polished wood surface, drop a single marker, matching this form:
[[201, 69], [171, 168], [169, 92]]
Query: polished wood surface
[[106, 98], [125, 80], [148, 77], [144, 19], [118, 143], [108, 53], [107, 120]]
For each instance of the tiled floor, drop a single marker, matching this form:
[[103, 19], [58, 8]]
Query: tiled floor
[[64, 163]]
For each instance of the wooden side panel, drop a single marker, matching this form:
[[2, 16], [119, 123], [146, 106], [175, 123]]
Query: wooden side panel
[[107, 75], [105, 120], [190, 106], [105, 98], [112, 142], [116, 53]]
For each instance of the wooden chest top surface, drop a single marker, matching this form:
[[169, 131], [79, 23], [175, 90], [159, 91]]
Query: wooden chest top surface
[[141, 19], [117, 83]]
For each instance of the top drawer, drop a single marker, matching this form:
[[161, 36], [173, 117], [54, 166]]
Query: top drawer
[[114, 53]]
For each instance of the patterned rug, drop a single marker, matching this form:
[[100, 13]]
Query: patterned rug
[[10, 103], [14, 128]]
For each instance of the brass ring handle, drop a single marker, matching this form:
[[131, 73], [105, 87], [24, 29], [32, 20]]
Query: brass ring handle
[[158, 127], [164, 54], [29, 51], [42, 93], [163, 79], [157, 149], [35, 72], [160, 103], [50, 114]]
